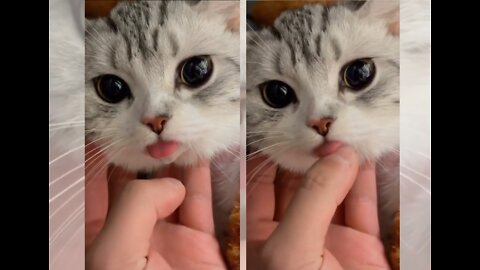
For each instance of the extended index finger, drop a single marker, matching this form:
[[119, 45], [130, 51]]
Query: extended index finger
[[196, 210], [361, 202]]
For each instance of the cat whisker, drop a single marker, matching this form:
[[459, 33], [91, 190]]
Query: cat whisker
[[101, 145], [65, 245], [425, 155], [416, 172], [265, 148], [96, 156], [379, 163], [253, 172], [93, 167], [125, 171], [73, 150], [219, 169], [66, 202], [101, 129], [65, 127], [100, 166], [227, 150], [251, 175], [65, 174], [416, 183], [75, 214], [264, 139], [66, 189], [265, 132], [235, 155], [66, 153], [67, 123], [251, 183]]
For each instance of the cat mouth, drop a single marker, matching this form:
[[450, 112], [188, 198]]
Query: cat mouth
[[162, 149], [326, 148]]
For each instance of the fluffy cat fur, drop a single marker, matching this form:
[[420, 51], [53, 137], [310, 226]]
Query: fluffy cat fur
[[144, 42], [307, 48]]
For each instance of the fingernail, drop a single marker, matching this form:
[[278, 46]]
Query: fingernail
[[174, 183], [345, 154]]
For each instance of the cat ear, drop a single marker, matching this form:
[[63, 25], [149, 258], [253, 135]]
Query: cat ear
[[252, 25], [96, 25], [353, 5], [229, 10], [89, 23], [386, 10]]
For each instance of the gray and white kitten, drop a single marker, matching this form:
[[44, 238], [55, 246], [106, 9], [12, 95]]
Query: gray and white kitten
[[162, 87], [324, 75]]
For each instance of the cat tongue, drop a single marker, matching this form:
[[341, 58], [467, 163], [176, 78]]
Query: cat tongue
[[162, 149], [327, 148]]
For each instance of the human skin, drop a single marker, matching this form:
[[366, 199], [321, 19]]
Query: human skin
[[162, 223], [324, 220]]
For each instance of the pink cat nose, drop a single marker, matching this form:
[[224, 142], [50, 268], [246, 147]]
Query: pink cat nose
[[321, 126], [156, 124]]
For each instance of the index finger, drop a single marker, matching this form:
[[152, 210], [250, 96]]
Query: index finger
[[361, 202], [314, 205], [196, 210]]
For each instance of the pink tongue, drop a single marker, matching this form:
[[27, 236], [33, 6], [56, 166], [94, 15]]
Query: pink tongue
[[162, 149], [327, 148]]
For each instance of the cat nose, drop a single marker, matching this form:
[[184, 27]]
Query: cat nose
[[156, 124], [322, 125]]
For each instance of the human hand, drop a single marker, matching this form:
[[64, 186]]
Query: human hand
[[149, 224], [325, 220]]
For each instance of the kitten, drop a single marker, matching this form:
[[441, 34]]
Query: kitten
[[162, 87], [325, 75]]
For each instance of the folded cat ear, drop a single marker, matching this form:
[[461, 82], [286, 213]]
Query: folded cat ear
[[229, 10], [387, 10]]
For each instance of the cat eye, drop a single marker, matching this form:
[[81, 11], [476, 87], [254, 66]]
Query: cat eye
[[358, 74], [196, 71], [277, 94], [111, 88]]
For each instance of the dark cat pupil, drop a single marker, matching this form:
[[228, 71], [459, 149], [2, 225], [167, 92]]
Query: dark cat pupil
[[277, 94], [359, 74], [111, 88], [196, 71], [118, 84], [117, 88]]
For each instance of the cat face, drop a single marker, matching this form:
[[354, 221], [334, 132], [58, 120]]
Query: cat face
[[163, 76], [321, 76]]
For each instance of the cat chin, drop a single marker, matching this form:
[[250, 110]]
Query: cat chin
[[294, 161], [188, 158], [298, 162], [142, 161]]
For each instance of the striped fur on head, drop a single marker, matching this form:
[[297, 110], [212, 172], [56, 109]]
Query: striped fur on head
[[307, 49], [144, 42]]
